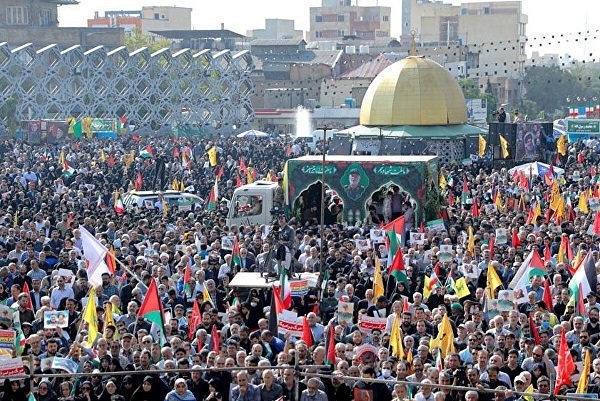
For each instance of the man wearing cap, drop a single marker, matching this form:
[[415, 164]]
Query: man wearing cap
[[354, 189]]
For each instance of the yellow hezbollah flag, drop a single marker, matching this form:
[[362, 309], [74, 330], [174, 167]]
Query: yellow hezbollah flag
[[91, 317], [555, 196], [561, 145], [504, 146], [175, 185], [442, 181], [585, 375], [445, 338], [378, 288], [212, 156], [493, 281], [206, 295], [396, 340], [109, 319], [460, 288], [471, 242], [482, 145], [583, 207]]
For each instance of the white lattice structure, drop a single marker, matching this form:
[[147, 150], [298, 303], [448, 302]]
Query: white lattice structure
[[211, 90]]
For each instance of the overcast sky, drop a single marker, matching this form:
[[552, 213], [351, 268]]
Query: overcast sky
[[546, 18]]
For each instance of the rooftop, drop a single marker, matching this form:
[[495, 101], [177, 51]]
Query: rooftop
[[198, 34]]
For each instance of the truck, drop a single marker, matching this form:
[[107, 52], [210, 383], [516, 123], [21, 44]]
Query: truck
[[353, 184]]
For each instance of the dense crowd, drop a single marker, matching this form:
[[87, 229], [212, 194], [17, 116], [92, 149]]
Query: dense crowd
[[512, 349]]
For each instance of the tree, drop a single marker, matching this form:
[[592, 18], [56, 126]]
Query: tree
[[469, 88], [137, 39], [8, 114], [549, 87]]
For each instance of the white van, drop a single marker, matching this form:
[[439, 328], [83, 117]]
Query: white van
[[147, 199], [309, 140], [252, 204]]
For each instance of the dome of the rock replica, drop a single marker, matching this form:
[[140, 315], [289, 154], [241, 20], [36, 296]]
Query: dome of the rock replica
[[413, 91]]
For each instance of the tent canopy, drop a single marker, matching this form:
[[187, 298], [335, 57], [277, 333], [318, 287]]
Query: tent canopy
[[414, 131], [535, 169], [252, 134]]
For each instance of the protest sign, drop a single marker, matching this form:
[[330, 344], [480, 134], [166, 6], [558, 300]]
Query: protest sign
[[65, 364], [368, 323], [290, 322], [7, 341], [345, 312], [11, 367], [299, 287]]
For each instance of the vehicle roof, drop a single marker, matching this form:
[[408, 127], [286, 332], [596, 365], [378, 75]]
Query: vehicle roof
[[260, 184], [150, 193]]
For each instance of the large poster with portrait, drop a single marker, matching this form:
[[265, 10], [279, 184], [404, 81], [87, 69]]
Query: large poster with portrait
[[529, 141], [34, 132], [56, 131]]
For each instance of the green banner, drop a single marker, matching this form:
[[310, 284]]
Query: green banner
[[583, 126]]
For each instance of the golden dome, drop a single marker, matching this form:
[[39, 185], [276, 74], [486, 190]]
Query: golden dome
[[414, 91]]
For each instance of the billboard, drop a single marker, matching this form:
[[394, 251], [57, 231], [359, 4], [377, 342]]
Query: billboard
[[476, 109]]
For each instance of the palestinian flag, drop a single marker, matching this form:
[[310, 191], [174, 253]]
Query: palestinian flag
[[286, 289], [147, 153], [465, 192], [152, 310], [20, 342], [68, 170], [212, 198], [584, 277], [186, 280], [236, 258], [398, 270], [537, 267], [215, 340], [119, 208], [26, 291]]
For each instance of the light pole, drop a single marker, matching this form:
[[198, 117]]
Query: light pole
[[324, 129]]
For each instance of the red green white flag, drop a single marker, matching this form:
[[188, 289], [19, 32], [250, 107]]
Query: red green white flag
[[152, 310]]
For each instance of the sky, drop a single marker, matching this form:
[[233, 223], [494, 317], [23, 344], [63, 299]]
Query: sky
[[571, 18]]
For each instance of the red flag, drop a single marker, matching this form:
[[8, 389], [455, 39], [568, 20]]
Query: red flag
[[149, 150], [580, 302], [138, 181], [215, 340], [547, 297], [396, 225], [176, 152], [330, 346], [491, 245], [593, 171], [597, 224], [451, 201], [516, 241], [288, 150], [135, 137], [475, 209], [111, 262], [194, 321], [111, 160], [405, 306], [316, 308], [547, 255], [422, 227], [279, 307], [580, 158], [243, 167], [307, 336], [533, 330], [238, 181], [565, 365], [26, 291]]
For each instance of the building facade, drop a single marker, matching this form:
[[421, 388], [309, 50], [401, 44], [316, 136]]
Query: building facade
[[333, 21], [159, 18], [276, 28]]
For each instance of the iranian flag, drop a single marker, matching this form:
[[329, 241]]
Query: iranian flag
[[152, 310], [68, 170], [119, 208], [398, 270], [236, 258]]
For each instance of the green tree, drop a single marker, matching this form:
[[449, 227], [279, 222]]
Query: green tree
[[8, 114], [549, 87], [137, 39], [469, 88]]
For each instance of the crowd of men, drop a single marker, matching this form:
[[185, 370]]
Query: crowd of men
[[44, 203]]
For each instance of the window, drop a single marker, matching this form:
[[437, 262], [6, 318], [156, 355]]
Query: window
[[340, 33], [318, 34], [46, 18], [17, 16], [156, 16], [318, 18], [463, 11], [486, 10], [386, 18], [340, 18]]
